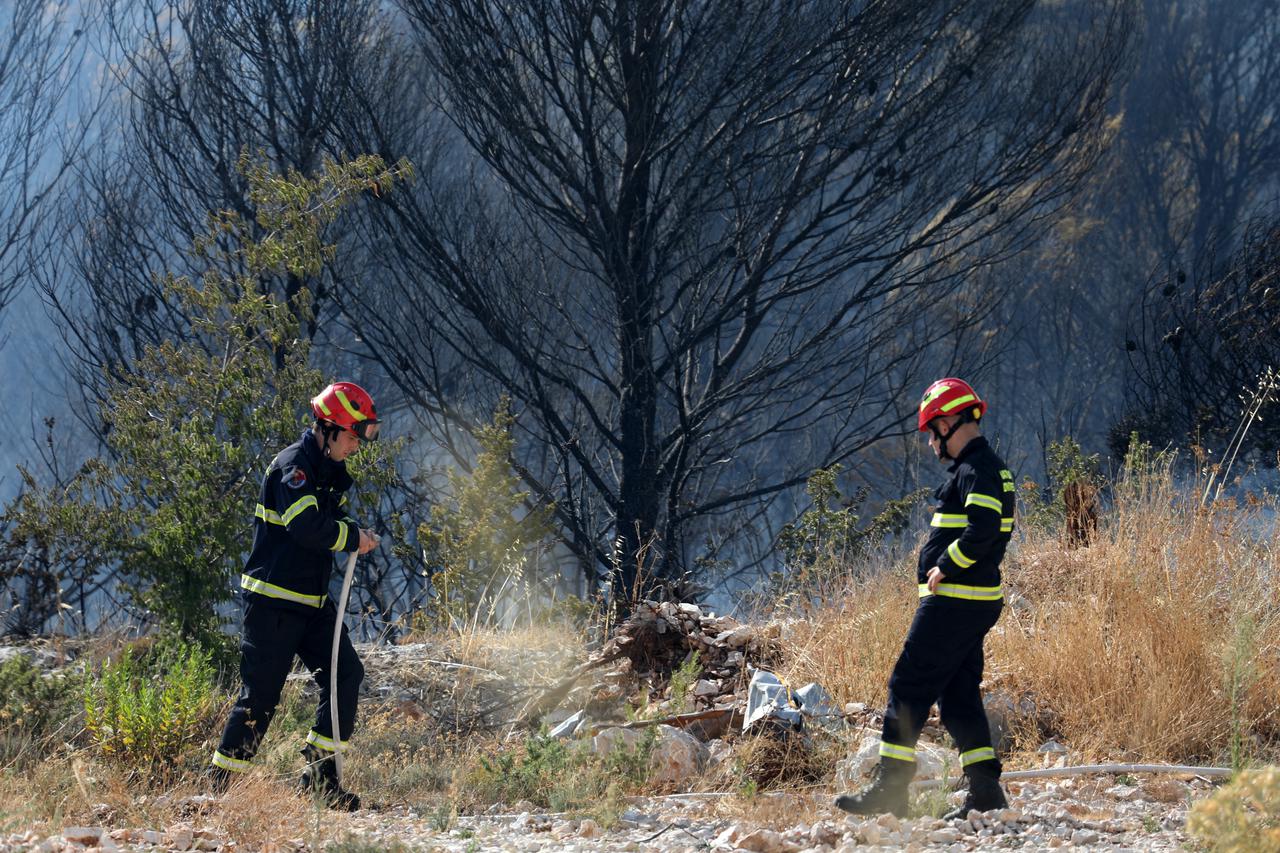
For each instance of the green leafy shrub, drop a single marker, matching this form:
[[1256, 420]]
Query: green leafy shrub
[[146, 714], [1242, 816], [830, 539], [563, 775], [683, 678], [32, 705], [194, 420], [481, 546], [1067, 464]]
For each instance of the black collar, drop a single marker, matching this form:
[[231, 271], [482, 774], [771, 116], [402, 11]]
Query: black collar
[[974, 445], [326, 470]]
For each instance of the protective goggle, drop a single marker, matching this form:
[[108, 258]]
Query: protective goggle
[[366, 430]]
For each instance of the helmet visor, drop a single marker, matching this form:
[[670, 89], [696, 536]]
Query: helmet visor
[[366, 430]]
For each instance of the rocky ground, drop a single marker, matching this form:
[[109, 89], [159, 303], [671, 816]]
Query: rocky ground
[[1067, 814]]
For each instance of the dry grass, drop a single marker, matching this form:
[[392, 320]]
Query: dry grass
[[849, 646], [1156, 642], [1138, 643]]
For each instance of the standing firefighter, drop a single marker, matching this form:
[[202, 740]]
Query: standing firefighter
[[960, 601], [301, 524]]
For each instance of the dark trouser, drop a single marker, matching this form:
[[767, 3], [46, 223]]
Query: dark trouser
[[272, 635], [941, 662]]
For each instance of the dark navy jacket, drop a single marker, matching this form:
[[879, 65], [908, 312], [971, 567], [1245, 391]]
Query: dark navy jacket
[[301, 524], [971, 526]]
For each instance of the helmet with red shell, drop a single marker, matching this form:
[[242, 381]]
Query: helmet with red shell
[[949, 396], [347, 405]]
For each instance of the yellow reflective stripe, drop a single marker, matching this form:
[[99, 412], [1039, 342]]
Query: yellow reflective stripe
[[316, 739], [342, 501], [1009, 487], [942, 519], [355, 413], [1006, 525], [973, 756], [969, 593], [1005, 475], [270, 590], [984, 501], [957, 556], [299, 506], [320, 402], [342, 538], [268, 515], [938, 392], [226, 762], [958, 402], [902, 753]]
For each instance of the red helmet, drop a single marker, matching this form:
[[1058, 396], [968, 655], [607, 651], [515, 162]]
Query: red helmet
[[349, 406], [949, 397]]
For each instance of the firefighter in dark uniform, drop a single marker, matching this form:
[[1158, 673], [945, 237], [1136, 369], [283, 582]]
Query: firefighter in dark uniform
[[960, 601], [301, 524]]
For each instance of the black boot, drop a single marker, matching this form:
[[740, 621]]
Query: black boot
[[886, 793], [984, 792], [219, 779], [320, 779]]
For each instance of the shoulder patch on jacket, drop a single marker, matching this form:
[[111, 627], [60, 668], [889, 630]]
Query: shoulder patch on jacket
[[294, 477]]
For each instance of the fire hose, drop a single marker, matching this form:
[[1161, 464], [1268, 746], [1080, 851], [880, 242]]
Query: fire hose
[[333, 664]]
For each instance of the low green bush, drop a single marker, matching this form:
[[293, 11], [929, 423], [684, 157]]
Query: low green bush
[[146, 713], [564, 776], [32, 707]]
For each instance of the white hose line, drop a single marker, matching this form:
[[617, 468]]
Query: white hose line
[[1083, 769], [333, 665], [1087, 769]]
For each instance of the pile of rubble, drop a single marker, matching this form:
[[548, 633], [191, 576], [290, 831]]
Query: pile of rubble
[[701, 681], [660, 638]]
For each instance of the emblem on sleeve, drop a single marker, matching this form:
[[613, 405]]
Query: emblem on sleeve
[[294, 477]]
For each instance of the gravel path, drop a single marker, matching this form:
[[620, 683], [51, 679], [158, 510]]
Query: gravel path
[[1056, 815]]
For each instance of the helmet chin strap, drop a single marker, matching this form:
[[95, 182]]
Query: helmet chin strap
[[328, 430], [965, 418]]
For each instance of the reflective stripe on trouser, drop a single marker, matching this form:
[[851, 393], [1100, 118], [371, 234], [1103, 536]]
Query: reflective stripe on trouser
[[892, 750], [323, 741], [272, 636], [941, 662], [226, 762]]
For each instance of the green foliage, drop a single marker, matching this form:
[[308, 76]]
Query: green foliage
[[827, 532], [563, 775], [1242, 816], [483, 543], [1240, 657], [828, 540], [1145, 470], [682, 680], [570, 611], [1066, 464], [192, 424], [32, 705], [144, 714]]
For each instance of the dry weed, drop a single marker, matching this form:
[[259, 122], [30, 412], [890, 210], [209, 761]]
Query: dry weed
[[1150, 643], [1134, 642], [849, 646]]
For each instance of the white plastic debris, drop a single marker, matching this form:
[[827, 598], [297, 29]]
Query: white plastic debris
[[817, 706], [570, 726], [767, 697]]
